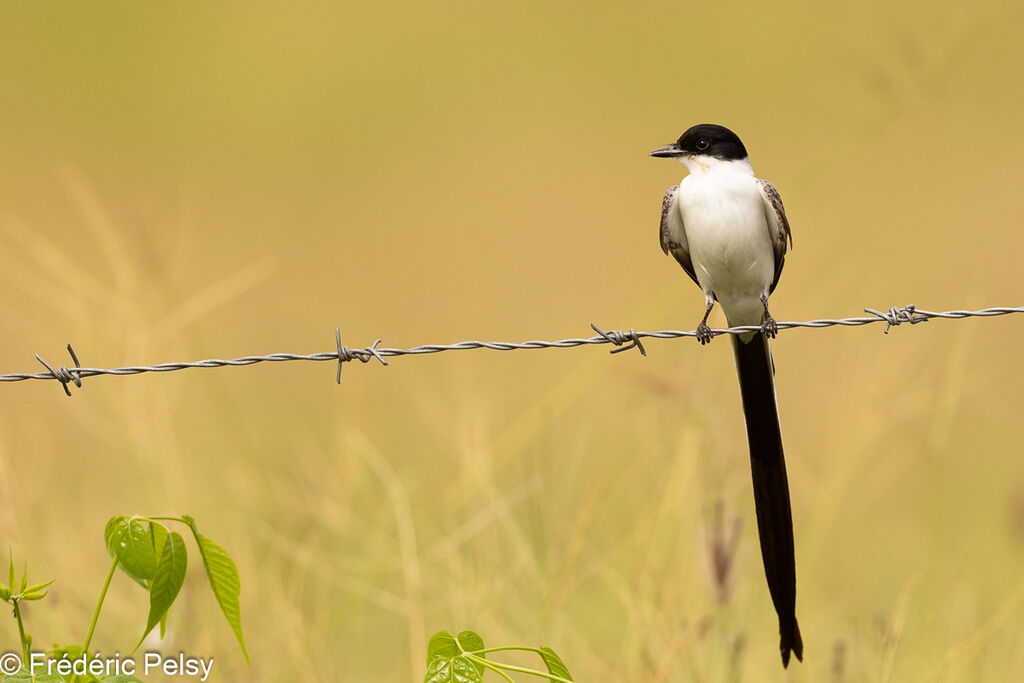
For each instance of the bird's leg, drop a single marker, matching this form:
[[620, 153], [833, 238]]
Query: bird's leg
[[769, 327], [703, 331]]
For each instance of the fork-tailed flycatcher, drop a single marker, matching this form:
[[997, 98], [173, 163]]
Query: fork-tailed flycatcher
[[729, 232]]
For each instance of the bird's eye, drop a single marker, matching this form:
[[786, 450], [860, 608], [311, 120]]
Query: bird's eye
[[702, 144]]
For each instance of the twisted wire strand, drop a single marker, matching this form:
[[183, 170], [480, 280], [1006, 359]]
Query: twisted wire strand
[[622, 340]]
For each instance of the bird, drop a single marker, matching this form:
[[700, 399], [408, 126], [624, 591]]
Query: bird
[[729, 231]]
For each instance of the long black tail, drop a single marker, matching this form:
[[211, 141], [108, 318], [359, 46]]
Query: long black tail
[[771, 488]]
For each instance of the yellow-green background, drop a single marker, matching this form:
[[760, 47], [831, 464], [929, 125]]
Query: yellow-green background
[[189, 181]]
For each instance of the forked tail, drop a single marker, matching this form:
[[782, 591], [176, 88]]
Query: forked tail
[[771, 488]]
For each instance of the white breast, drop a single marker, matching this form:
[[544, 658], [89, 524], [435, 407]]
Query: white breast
[[727, 232]]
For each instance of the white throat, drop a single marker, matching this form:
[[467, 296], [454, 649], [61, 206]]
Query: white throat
[[703, 164]]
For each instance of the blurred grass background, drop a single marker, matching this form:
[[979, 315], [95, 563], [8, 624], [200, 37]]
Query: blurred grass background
[[203, 180]]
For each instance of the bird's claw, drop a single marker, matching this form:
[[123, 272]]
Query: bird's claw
[[769, 327], [704, 333]]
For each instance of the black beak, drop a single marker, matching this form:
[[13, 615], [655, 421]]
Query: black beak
[[669, 151]]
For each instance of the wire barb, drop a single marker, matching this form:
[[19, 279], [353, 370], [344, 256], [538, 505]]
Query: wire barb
[[345, 354], [897, 315], [62, 374], [618, 337], [623, 341]]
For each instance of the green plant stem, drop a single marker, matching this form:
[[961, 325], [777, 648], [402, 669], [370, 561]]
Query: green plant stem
[[498, 671], [535, 650], [99, 605], [508, 667], [21, 630]]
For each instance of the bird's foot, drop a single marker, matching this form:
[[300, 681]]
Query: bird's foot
[[769, 327], [704, 333]]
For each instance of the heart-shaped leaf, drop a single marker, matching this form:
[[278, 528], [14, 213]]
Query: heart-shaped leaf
[[445, 663], [455, 670], [137, 545]]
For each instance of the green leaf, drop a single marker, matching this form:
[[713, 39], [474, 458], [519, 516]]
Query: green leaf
[[72, 652], [554, 663], [10, 572], [24, 577], [5, 593], [67, 651], [223, 574], [24, 676], [471, 642], [442, 644], [456, 670], [38, 587], [445, 663], [113, 527], [167, 581], [137, 544], [33, 595]]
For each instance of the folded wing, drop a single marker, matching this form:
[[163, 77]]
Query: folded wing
[[778, 226], [673, 234]]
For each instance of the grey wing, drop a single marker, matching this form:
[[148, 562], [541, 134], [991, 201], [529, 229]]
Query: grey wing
[[778, 226], [673, 235]]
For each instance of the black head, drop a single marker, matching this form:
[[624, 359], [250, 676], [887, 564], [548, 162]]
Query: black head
[[705, 139]]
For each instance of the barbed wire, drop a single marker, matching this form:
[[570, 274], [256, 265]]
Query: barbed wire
[[623, 341]]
